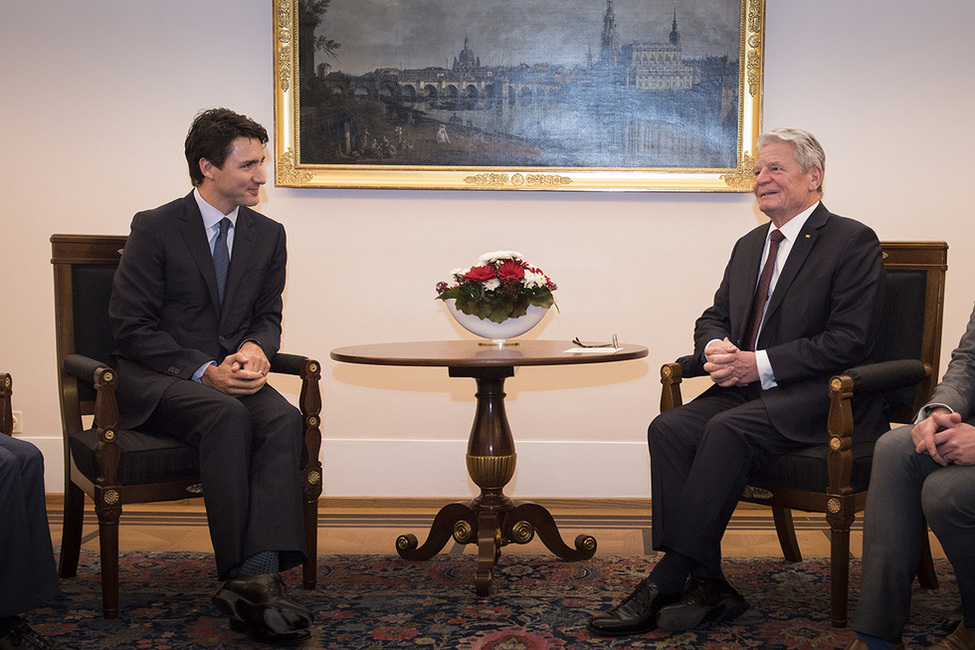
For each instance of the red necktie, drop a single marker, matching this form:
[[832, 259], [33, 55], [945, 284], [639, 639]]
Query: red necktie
[[761, 294]]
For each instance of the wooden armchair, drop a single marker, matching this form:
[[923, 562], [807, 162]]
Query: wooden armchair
[[6, 408], [833, 478], [115, 467]]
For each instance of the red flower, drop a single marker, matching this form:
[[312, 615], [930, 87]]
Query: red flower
[[480, 274], [511, 271]]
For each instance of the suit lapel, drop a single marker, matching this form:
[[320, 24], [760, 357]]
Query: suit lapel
[[195, 238], [797, 257], [743, 293], [243, 245]]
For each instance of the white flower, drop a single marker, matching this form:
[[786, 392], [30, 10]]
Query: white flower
[[492, 284], [491, 258], [534, 279]]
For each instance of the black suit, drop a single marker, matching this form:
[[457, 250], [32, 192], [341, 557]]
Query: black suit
[[168, 322], [822, 318], [28, 576]]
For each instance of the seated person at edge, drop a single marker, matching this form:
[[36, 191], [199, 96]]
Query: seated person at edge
[[822, 296], [28, 575], [922, 473], [196, 311]]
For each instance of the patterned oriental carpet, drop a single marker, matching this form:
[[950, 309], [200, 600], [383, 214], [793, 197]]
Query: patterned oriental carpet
[[537, 603]]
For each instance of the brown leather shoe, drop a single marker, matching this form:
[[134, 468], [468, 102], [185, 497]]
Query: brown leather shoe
[[857, 644], [963, 638]]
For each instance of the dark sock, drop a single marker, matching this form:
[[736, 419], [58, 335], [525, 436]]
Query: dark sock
[[260, 564], [671, 572]]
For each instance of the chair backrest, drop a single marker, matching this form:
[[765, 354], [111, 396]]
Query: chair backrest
[[6, 414], [84, 266], [913, 314]]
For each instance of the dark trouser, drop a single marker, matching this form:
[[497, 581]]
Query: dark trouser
[[250, 455], [702, 455], [28, 576], [905, 488]]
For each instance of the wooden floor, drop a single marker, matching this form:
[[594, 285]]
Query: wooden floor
[[371, 526]]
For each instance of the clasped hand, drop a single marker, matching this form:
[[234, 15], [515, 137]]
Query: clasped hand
[[729, 366], [944, 437], [241, 373]]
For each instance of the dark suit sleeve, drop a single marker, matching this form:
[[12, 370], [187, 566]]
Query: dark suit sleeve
[[264, 325], [715, 322], [847, 295], [136, 307]]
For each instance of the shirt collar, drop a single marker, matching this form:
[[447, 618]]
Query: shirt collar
[[793, 227], [211, 215]]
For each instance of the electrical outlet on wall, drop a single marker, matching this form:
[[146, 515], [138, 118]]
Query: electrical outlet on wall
[[18, 422]]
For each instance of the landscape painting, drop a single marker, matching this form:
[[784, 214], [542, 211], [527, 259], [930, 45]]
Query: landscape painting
[[538, 94]]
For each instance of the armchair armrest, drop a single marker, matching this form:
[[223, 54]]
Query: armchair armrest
[[6, 412], [887, 375], [104, 379], [82, 367], [868, 379], [310, 405], [670, 378], [291, 364]]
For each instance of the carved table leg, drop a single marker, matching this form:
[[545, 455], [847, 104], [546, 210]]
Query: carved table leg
[[488, 550], [526, 519], [455, 520], [492, 520]]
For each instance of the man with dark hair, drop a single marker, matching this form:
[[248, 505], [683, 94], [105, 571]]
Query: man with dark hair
[[800, 300], [196, 311]]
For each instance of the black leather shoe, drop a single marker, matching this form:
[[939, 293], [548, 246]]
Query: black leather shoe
[[23, 637], [635, 615], [702, 601], [258, 632], [264, 600]]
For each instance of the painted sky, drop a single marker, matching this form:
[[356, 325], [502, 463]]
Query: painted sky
[[421, 33]]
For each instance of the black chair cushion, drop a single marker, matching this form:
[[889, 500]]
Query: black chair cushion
[[806, 469], [144, 458]]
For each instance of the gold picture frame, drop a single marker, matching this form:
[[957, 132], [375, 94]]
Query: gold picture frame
[[315, 149]]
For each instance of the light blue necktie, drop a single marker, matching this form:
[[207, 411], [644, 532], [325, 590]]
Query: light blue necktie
[[221, 256]]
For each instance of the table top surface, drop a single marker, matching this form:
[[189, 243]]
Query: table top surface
[[475, 354]]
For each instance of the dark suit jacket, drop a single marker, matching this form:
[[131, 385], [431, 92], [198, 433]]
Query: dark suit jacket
[[822, 318], [164, 309]]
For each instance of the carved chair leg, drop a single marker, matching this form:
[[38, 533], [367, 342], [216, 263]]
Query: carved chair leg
[[309, 571], [108, 547], [839, 538], [926, 576], [73, 521], [786, 532]]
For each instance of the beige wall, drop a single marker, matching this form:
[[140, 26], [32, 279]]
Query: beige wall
[[95, 100]]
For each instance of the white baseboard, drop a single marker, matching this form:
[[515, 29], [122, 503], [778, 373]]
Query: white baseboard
[[425, 468], [437, 468]]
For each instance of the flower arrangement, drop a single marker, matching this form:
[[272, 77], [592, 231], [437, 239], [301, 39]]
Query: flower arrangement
[[500, 286]]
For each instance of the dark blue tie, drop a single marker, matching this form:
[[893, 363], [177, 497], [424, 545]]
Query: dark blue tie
[[221, 256]]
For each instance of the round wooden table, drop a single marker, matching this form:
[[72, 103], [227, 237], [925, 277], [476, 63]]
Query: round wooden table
[[491, 520]]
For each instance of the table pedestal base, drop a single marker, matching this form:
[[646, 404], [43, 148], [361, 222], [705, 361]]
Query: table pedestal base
[[492, 521]]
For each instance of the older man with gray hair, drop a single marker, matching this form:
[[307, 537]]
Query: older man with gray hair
[[800, 300]]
